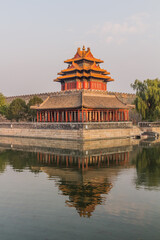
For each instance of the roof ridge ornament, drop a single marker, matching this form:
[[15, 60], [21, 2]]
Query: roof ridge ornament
[[83, 51]]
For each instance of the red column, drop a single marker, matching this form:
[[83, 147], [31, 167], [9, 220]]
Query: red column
[[70, 160], [108, 160], [57, 159], [121, 116], [86, 115], [38, 156], [89, 116], [87, 163], [108, 116], [37, 116], [70, 116], [127, 115], [84, 85], [112, 115], [49, 158], [44, 114], [66, 161], [102, 116], [40, 116], [98, 116], [82, 116], [79, 162], [116, 158], [57, 117], [78, 115], [66, 113], [63, 116], [74, 116], [52, 116], [60, 116], [82, 163], [77, 85], [93, 116], [117, 115], [48, 116]]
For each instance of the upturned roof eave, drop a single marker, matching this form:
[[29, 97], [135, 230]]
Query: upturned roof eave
[[59, 108], [84, 69], [83, 58], [100, 77]]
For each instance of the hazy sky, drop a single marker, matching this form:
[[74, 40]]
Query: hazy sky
[[36, 36]]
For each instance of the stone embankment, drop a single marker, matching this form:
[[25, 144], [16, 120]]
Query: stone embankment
[[70, 131], [150, 127]]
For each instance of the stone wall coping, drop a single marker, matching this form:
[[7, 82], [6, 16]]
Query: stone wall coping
[[50, 123], [67, 126]]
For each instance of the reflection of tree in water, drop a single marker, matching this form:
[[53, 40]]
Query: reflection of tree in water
[[148, 167], [17, 159], [85, 197], [2, 162]]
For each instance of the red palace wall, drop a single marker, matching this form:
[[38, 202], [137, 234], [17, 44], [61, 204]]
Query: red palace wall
[[84, 85]]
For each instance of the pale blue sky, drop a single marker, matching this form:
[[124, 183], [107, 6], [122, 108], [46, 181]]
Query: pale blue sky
[[36, 36]]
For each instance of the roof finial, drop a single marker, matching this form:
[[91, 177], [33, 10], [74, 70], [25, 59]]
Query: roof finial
[[83, 48]]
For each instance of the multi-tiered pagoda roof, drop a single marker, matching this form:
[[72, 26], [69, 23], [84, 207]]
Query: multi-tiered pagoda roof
[[83, 72]]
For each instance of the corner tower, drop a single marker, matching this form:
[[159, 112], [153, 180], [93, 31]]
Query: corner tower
[[83, 72], [83, 96]]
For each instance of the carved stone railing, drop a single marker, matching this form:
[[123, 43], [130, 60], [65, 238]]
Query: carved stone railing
[[148, 124]]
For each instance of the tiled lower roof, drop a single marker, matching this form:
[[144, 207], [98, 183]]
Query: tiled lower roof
[[78, 99]]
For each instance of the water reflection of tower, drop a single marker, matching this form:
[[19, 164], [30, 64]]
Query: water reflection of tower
[[85, 196], [83, 162], [85, 179]]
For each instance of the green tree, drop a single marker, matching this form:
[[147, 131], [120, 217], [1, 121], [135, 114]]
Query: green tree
[[148, 98], [2, 100], [17, 110], [32, 114], [3, 106]]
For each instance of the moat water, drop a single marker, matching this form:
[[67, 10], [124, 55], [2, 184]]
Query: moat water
[[60, 194]]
